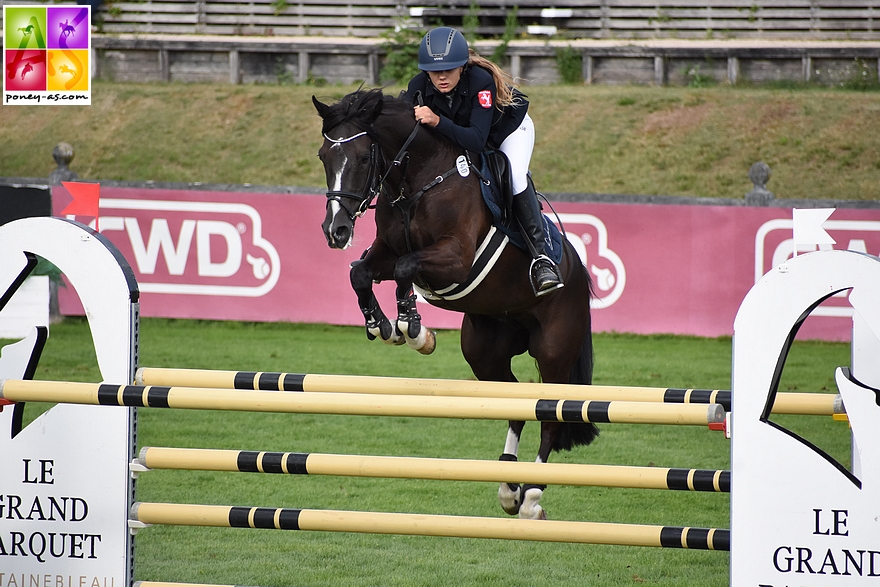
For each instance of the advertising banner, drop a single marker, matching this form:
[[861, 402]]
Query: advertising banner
[[677, 269]]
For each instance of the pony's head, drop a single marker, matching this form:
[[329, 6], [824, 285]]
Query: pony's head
[[352, 157], [351, 161]]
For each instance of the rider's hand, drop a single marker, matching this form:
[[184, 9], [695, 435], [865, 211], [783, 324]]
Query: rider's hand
[[426, 116]]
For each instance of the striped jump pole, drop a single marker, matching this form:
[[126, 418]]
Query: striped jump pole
[[436, 469], [543, 410], [820, 404], [428, 525]]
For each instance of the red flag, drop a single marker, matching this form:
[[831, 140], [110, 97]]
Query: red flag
[[85, 199]]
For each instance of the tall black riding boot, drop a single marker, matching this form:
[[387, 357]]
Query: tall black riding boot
[[543, 271]]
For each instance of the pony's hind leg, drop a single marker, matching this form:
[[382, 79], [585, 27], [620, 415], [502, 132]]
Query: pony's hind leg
[[560, 361], [488, 345], [510, 494], [531, 493]]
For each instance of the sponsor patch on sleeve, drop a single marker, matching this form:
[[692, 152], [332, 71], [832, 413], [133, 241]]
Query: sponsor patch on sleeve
[[485, 97]]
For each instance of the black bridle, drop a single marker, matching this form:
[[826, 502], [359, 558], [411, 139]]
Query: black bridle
[[371, 185], [376, 179]]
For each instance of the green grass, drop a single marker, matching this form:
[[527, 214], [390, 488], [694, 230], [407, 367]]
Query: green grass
[[253, 557], [819, 143]]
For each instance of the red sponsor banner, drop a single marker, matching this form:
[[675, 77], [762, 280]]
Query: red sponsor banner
[[263, 257]]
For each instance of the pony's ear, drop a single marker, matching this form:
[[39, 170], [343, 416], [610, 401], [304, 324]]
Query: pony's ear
[[322, 109], [377, 110]]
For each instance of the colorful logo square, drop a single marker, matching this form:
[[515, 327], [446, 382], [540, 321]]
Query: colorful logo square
[[68, 70], [28, 70], [68, 27], [24, 27]]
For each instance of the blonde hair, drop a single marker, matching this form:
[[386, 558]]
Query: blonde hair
[[504, 82]]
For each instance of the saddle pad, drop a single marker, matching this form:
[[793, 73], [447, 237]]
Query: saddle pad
[[494, 199]]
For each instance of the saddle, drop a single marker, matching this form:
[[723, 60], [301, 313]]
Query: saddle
[[496, 169], [496, 183]]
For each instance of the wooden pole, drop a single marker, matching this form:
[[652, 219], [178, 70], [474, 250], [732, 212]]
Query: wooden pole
[[437, 469], [550, 410], [430, 525], [820, 404]]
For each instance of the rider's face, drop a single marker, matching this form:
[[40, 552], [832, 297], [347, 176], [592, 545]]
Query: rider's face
[[446, 80]]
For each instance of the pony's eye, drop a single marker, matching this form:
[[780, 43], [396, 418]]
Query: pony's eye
[[365, 158]]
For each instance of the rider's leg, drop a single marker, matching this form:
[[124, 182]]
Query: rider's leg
[[518, 147]]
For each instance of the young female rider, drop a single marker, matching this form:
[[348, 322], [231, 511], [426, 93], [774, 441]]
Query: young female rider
[[471, 101]]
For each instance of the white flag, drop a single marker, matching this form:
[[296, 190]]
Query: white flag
[[808, 227]]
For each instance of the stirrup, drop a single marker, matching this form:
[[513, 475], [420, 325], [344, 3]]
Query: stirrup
[[551, 279]]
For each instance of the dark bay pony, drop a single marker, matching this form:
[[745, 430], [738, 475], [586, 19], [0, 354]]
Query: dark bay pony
[[431, 221]]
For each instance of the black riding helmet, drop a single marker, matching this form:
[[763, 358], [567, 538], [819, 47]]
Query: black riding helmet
[[441, 49]]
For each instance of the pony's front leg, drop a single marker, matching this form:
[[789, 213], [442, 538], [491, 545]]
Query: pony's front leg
[[409, 321], [377, 324]]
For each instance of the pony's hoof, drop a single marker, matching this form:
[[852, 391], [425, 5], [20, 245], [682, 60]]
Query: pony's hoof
[[430, 343], [391, 337], [540, 514], [425, 341], [531, 505], [395, 339], [509, 496]]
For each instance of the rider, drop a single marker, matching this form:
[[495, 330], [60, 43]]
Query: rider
[[471, 101]]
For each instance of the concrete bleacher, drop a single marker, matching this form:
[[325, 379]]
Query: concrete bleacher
[[618, 41], [576, 19]]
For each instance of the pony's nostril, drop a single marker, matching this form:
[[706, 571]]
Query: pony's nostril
[[341, 234]]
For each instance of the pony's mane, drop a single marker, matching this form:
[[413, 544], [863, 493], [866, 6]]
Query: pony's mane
[[357, 108]]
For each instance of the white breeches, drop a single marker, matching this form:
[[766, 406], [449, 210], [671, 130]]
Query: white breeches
[[518, 147]]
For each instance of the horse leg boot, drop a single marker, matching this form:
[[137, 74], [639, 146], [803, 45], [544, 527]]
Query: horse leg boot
[[543, 271], [377, 324], [409, 322]]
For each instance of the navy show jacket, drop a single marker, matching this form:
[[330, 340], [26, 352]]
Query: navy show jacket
[[466, 119]]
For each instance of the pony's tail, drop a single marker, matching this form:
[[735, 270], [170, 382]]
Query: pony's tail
[[579, 434]]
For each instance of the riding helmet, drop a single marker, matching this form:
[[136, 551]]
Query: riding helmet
[[441, 49]]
